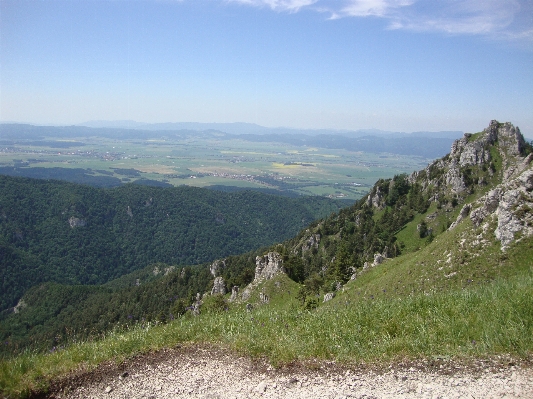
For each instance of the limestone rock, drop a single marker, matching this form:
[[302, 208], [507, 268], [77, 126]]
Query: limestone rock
[[76, 222], [329, 296], [263, 298], [454, 178], [20, 305], [219, 287], [510, 204], [490, 203], [526, 180], [378, 259], [465, 211], [375, 198], [267, 266], [216, 266], [246, 294], [195, 307], [311, 242], [234, 294]]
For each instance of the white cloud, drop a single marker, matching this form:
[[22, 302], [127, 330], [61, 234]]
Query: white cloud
[[505, 19], [378, 8], [458, 17], [278, 5]]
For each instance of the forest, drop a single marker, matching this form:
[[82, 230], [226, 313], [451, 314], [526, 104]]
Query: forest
[[53, 231]]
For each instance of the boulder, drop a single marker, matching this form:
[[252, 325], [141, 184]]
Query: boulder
[[329, 296], [268, 266], [76, 222], [219, 287], [263, 298], [216, 266], [378, 259]]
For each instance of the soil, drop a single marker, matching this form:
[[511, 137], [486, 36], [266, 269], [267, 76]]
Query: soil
[[208, 372]]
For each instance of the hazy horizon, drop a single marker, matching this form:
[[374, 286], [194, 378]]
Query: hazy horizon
[[393, 65]]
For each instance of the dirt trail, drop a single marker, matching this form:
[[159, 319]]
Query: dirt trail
[[210, 373]]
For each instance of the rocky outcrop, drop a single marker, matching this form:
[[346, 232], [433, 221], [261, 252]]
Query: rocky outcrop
[[465, 211], [217, 266], [263, 298], [76, 222], [474, 150], [267, 266], [378, 259], [234, 294], [375, 198], [20, 305], [329, 296], [219, 287], [311, 242], [510, 205], [195, 307]]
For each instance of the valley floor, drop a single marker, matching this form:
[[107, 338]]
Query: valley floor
[[212, 373]]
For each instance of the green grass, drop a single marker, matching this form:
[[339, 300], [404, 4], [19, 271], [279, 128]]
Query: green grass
[[459, 323]]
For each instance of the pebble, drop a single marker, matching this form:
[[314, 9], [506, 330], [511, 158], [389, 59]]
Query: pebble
[[205, 375]]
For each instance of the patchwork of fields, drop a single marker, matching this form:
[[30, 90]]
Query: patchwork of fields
[[205, 161]]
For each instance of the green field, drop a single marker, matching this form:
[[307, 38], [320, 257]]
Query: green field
[[207, 161]]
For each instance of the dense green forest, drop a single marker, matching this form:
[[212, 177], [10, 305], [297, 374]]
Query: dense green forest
[[52, 231]]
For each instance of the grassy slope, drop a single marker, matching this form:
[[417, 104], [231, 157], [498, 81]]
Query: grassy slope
[[406, 307]]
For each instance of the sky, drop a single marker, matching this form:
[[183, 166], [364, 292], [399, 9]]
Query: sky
[[399, 65]]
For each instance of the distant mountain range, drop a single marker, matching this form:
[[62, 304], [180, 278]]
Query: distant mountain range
[[252, 128]]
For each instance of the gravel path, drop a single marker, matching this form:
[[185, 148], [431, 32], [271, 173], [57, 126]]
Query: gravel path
[[209, 373]]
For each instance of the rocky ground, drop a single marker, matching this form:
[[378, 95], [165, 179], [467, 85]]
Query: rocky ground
[[213, 373]]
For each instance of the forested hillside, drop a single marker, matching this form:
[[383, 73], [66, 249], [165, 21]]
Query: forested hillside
[[75, 234]]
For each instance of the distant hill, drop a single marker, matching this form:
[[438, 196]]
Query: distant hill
[[425, 144]]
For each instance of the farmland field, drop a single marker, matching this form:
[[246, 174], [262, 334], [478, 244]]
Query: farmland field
[[205, 161]]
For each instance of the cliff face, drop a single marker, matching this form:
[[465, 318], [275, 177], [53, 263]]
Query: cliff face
[[499, 141]]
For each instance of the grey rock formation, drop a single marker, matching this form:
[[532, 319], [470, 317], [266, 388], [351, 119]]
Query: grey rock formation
[[263, 298], [454, 178], [510, 204], [219, 287], [129, 212], [489, 204], [268, 266], [20, 305], [375, 198], [311, 242], [76, 222], [195, 307], [234, 294], [378, 259], [216, 266], [329, 296], [465, 211]]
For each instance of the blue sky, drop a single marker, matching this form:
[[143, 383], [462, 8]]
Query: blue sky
[[402, 65]]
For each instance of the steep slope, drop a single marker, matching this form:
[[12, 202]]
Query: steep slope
[[75, 234]]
